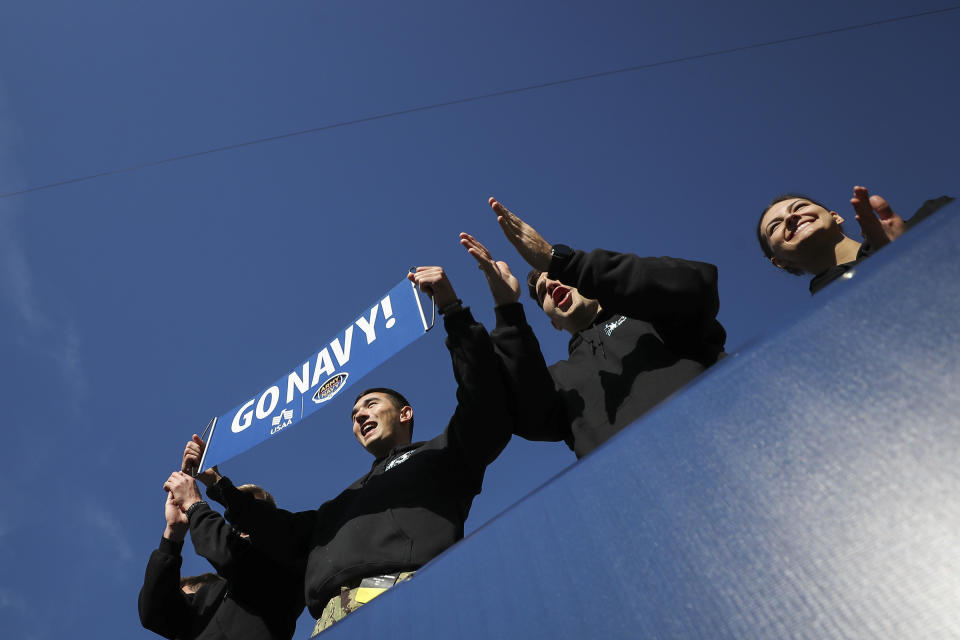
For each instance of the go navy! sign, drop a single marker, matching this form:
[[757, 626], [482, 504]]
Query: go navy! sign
[[389, 325]]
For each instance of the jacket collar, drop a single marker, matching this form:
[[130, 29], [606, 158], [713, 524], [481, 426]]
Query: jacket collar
[[577, 338]]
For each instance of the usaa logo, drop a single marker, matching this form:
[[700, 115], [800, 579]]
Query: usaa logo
[[330, 388]]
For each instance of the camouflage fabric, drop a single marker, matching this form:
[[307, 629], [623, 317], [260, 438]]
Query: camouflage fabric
[[349, 600]]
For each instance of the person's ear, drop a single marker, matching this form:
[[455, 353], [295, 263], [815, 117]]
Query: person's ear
[[836, 217], [779, 264]]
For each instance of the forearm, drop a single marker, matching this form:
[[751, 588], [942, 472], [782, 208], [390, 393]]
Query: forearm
[[532, 395], [161, 605], [483, 421], [279, 534], [214, 539], [651, 289]]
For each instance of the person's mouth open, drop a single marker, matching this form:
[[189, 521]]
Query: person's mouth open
[[367, 429], [561, 297]]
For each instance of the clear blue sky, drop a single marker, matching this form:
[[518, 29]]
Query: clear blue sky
[[136, 306]]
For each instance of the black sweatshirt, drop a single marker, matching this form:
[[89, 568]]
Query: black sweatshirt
[[657, 330], [413, 502], [255, 599]]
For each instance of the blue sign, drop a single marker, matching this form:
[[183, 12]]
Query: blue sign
[[388, 326]]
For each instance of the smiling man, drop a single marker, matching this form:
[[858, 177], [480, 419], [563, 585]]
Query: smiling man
[[413, 502], [382, 420], [800, 235], [640, 328]]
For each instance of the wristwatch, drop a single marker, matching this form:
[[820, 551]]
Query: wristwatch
[[560, 255]]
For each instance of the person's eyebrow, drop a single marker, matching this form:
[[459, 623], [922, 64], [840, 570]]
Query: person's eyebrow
[[364, 405], [770, 223], [796, 204]]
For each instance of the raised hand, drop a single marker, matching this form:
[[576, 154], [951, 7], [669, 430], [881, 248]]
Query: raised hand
[[434, 282], [878, 223], [177, 523], [183, 490], [530, 244], [503, 285], [192, 454]]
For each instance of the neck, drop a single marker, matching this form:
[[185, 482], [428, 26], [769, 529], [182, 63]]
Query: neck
[[844, 250], [583, 320]]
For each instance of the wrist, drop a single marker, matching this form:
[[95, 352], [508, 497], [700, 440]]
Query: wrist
[[193, 507], [560, 256], [175, 532], [209, 478], [450, 307]]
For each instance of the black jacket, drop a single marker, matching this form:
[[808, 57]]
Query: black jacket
[[255, 599], [657, 330], [824, 278], [411, 505]]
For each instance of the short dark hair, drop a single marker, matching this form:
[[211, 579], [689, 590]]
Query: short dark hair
[[532, 278], [259, 493], [395, 396], [193, 583], [764, 245]]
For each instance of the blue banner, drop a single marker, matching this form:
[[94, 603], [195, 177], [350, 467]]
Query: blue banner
[[388, 326]]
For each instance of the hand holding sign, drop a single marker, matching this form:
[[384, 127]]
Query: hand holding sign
[[192, 455], [434, 282]]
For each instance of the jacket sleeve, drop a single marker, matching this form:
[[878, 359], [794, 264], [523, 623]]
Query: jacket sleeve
[[281, 535], [214, 539], [649, 289], [163, 607], [532, 394], [482, 423]]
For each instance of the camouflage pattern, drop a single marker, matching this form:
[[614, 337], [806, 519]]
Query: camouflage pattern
[[339, 607]]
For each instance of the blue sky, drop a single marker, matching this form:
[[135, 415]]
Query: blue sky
[[136, 306]]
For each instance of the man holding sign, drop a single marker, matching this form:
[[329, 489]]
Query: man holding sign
[[413, 502]]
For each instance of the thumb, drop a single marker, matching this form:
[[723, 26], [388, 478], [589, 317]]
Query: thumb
[[882, 208], [504, 268]]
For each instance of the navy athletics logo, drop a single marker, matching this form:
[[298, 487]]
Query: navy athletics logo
[[330, 388]]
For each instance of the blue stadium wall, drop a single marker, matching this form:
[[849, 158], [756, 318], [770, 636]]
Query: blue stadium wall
[[806, 487]]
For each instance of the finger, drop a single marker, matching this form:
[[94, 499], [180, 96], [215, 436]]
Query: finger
[[504, 215], [880, 205], [473, 243], [864, 212], [486, 265], [476, 255], [481, 246], [467, 239], [199, 441]]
